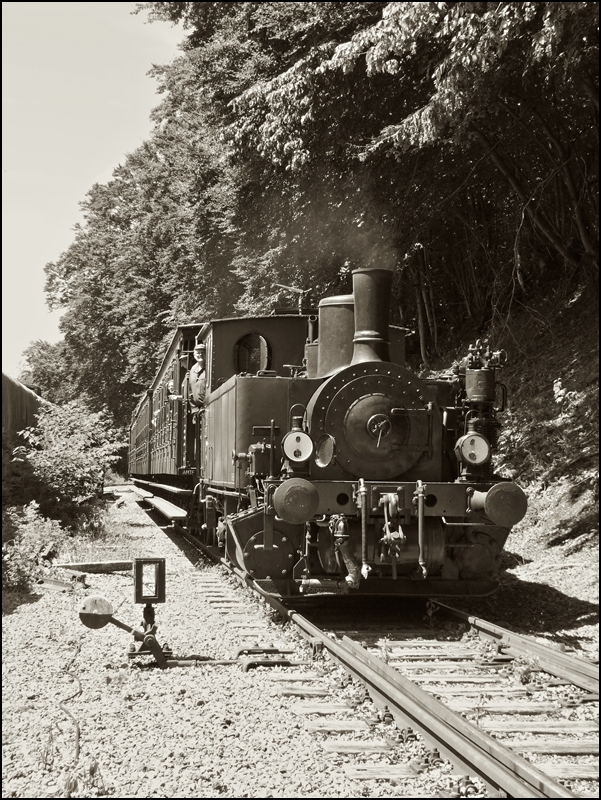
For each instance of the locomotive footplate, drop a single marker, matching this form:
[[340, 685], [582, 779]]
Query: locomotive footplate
[[442, 499]]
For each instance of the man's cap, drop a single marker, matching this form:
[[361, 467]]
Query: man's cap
[[199, 346]]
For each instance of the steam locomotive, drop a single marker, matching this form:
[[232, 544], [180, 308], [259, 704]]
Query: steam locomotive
[[319, 462]]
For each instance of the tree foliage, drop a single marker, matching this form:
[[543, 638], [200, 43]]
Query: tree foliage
[[64, 460], [48, 367], [456, 143], [513, 82], [25, 535]]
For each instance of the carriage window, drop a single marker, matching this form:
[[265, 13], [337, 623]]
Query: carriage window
[[252, 353]]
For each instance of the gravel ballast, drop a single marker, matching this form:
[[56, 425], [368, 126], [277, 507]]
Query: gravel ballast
[[202, 731]]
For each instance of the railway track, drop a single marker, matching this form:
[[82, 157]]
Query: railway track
[[519, 716], [491, 703]]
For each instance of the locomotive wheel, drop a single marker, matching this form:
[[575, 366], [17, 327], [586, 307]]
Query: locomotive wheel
[[482, 558], [355, 407]]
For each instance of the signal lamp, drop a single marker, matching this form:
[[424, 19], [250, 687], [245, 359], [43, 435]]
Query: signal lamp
[[297, 446], [473, 449], [149, 580]]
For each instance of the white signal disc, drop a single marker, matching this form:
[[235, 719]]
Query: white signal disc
[[473, 449], [297, 446]]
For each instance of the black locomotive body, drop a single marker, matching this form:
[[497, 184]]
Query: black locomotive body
[[319, 462]]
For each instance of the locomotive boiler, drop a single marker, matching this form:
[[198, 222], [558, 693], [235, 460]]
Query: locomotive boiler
[[319, 462]]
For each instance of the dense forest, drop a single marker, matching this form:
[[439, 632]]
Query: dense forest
[[456, 143]]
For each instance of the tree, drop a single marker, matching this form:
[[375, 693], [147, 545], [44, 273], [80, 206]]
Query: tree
[[514, 80], [455, 143], [67, 454], [47, 367], [465, 100]]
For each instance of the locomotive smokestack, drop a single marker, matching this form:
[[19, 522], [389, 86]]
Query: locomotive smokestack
[[371, 288]]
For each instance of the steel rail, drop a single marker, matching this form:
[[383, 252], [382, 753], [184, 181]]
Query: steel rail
[[461, 742], [581, 673]]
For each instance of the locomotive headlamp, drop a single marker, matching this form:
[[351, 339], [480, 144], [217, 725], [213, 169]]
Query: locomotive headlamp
[[473, 449], [325, 450], [297, 446]]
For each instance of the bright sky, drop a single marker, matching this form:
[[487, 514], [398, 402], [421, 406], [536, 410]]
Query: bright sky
[[75, 99]]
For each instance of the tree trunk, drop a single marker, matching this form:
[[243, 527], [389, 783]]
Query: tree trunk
[[421, 324], [421, 315], [402, 314], [568, 179], [591, 92], [535, 218], [434, 323], [426, 290]]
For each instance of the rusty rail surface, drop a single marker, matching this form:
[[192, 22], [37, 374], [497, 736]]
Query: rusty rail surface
[[581, 673]]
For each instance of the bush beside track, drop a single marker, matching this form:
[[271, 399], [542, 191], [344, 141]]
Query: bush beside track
[[52, 478]]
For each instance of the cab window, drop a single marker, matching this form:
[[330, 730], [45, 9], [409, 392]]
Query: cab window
[[252, 353]]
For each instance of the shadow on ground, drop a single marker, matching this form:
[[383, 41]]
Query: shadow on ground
[[172, 533], [511, 560], [371, 611], [12, 601], [531, 608], [584, 525]]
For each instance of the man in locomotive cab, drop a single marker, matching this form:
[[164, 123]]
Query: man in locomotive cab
[[195, 382]]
